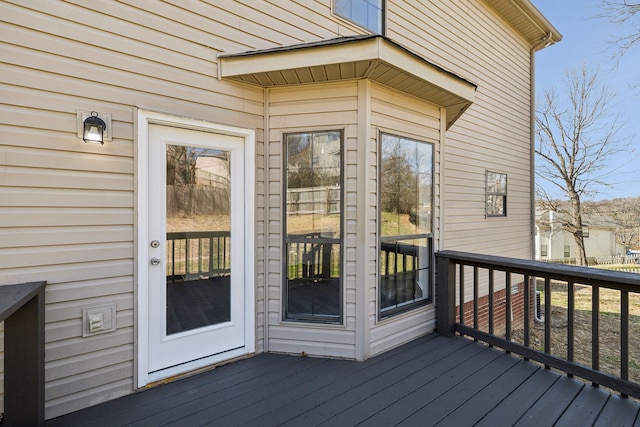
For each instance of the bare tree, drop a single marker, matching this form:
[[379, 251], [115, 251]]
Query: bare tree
[[619, 13], [575, 139]]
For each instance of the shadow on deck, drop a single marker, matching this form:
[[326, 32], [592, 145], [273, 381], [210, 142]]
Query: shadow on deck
[[434, 380]]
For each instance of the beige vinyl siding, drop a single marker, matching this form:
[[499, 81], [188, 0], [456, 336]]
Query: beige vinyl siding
[[302, 109], [412, 118], [67, 212], [473, 42]]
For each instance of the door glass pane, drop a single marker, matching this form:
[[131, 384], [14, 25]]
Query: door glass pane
[[198, 237]]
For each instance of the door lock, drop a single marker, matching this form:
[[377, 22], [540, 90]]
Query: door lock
[[155, 244], [155, 261]]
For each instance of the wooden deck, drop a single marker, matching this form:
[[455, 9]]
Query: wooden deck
[[431, 381]]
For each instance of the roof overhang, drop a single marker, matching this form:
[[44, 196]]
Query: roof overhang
[[370, 57], [528, 21]]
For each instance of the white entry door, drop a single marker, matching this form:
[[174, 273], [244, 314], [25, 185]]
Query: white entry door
[[195, 249]]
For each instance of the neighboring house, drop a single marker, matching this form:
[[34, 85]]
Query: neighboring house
[[401, 130], [555, 243]]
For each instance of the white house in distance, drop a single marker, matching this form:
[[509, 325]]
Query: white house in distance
[[402, 128], [554, 243]]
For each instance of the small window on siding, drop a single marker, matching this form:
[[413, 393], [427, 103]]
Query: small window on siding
[[567, 251], [544, 251], [496, 194], [366, 13]]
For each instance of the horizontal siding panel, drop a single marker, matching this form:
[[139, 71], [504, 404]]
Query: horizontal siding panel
[[52, 236], [70, 198], [52, 178], [68, 273], [61, 255], [70, 385], [311, 106], [88, 397], [62, 357], [47, 216], [47, 159], [394, 333], [68, 20], [86, 290], [72, 309], [155, 63], [205, 108], [316, 92], [109, 77]]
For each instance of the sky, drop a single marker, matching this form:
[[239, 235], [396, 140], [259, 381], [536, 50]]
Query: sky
[[586, 40]]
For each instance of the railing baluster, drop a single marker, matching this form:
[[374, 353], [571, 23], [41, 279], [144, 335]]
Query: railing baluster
[[491, 285], [475, 297], [571, 302], [595, 328], [547, 316], [507, 314], [527, 308], [461, 305], [624, 335]]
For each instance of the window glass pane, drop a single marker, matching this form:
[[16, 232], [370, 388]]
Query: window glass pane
[[313, 184], [406, 186], [406, 189], [496, 194], [366, 13], [313, 226], [404, 273]]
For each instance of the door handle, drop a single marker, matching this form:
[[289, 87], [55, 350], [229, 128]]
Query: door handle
[[155, 261]]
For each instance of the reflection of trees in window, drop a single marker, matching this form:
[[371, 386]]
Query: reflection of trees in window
[[496, 194], [198, 181], [406, 177], [406, 182]]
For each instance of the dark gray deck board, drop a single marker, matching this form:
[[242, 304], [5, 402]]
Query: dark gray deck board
[[615, 413], [490, 396], [513, 407], [552, 404], [453, 381], [445, 404], [585, 408], [447, 357], [413, 402]]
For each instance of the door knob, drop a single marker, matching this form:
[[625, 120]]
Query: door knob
[[155, 261]]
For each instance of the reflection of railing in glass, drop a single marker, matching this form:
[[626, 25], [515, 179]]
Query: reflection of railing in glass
[[404, 270], [198, 254], [313, 277]]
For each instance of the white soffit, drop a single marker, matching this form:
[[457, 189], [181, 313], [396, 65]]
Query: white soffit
[[346, 58]]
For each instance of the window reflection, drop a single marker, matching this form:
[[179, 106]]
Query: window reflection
[[313, 220], [366, 13], [406, 188]]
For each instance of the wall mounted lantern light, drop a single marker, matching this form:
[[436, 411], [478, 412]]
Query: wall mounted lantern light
[[93, 129]]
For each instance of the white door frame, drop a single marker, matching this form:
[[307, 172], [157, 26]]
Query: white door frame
[[144, 119]]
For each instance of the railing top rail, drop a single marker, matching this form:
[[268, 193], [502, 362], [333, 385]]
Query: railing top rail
[[175, 235], [12, 297], [620, 280]]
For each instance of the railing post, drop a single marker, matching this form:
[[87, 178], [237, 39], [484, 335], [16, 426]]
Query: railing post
[[445, 295], [22, 309]]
